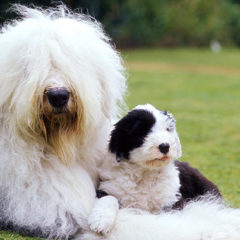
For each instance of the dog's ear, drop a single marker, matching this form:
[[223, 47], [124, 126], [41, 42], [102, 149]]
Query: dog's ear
[[129, 133], [169, 115]]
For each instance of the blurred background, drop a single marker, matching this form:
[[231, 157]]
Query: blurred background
[[183, 56], [135, 23]]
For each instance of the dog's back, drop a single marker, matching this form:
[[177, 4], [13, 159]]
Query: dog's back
[[193, 184]]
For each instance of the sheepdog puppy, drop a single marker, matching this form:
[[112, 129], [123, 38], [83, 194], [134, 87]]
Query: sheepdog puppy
[[61, 83], [142, 176], [144, 173]]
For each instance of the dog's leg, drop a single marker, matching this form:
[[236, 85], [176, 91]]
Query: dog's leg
[[103, 215]]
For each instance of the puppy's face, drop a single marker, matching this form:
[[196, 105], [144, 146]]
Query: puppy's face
[[147, 137]]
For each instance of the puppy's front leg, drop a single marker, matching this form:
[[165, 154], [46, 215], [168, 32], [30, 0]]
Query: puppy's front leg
[[103, 215]]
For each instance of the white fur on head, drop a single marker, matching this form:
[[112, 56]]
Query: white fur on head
[[145, 177], [55, 48], [163, 131]]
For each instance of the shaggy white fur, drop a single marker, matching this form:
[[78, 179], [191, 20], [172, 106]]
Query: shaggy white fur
[[148, 179], [103, 215], [48, 160], [135, 187], [140, 186], [206, 219]]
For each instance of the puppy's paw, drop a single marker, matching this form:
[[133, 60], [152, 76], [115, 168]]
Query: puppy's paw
[[102, 217]]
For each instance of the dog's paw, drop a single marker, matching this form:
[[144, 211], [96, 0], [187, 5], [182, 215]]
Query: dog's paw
[[102, 217]]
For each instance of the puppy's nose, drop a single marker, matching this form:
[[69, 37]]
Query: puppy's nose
[[58, 97], [164, 148]]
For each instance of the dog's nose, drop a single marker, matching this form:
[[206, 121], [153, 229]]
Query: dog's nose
[[58, 97], [164, 148]]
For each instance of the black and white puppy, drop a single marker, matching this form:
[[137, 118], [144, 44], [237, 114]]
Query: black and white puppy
[[142, 171]]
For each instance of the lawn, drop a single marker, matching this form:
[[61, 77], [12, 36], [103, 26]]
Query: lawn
[[202, 90]]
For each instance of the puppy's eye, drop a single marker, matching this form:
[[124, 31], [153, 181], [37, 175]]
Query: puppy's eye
[[169, 129]]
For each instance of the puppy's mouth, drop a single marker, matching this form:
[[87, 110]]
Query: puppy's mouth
[[164, 158], [158, 162]]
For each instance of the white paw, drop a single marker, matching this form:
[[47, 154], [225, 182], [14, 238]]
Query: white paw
[[102, 217]]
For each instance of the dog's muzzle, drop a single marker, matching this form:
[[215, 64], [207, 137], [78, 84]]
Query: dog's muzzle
[[164, 148], [58, 97]]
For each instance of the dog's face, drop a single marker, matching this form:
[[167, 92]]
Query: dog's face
[[60, 82], [60, 116], [49, 112], [147, 137]]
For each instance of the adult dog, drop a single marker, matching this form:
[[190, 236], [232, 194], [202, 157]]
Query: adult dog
[[61, 83]]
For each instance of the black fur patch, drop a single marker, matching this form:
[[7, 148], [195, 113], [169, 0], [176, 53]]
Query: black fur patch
[[101, 193], [130, 131], [193, 184], [52, 232], [26, 231]]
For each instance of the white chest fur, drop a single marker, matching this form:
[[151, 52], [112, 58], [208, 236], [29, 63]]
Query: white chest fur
[[146, 189]]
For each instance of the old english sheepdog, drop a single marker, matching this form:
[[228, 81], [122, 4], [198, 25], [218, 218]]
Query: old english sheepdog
[[61, 85], [147, 176], [141, 175]]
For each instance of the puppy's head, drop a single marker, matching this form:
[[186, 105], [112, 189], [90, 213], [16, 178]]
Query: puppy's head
[[146, 136]]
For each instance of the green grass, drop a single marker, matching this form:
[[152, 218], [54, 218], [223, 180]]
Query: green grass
[[226, 58], [202, 90], [13, 236]]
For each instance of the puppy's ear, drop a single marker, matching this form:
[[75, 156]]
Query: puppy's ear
[[165, 112], [169, 115], [129, 133]]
